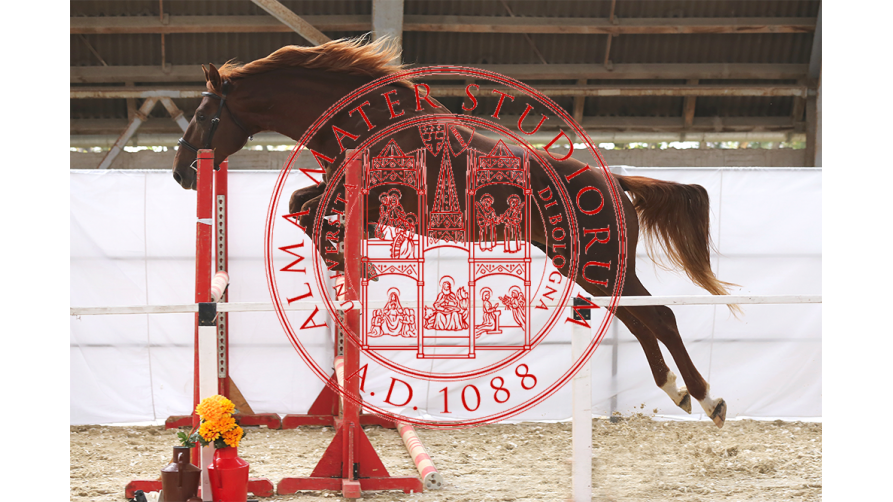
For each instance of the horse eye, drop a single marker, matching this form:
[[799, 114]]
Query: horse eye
[[201, 118]]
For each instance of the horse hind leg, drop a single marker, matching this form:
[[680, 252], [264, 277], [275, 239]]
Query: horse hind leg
[[663, 376], [660, 320]]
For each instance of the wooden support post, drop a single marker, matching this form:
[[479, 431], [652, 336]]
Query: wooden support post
[[579, 104], [175, 112], [799, 105], [813, 112], [818, 126], [387, 21], [813, 150], [131, 103], [688, 107], [609, 65], [141, 116]]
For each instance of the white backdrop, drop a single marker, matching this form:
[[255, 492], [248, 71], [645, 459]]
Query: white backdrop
[[133, 243]]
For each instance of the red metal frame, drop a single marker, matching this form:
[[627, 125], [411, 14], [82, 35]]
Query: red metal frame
[[350, 463], [210, 184]]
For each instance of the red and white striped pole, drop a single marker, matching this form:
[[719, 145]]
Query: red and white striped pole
[[218, 286], [430, 477]]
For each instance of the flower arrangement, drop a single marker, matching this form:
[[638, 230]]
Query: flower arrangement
[[217, 425]]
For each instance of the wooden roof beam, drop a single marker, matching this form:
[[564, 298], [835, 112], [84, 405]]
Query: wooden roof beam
[[293, 21], [193, 73], [577, 91], [454, 24]]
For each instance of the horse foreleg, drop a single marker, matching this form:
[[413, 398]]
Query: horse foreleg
[[300, 196], [310, 208]]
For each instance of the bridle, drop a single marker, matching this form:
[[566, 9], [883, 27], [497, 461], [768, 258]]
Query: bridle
[[215, 121]]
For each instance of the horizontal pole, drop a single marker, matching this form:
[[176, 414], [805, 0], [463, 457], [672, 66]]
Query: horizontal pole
[[620, 71], [444, 91], [453, 24], [626, 301]]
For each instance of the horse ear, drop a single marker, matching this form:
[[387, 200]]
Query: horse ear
[[213, 76], [205, 71]]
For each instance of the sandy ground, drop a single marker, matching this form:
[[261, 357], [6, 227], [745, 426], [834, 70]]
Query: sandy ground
[[635, 459]]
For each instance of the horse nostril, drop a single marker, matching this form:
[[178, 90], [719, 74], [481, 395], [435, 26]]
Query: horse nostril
[[177, 178]]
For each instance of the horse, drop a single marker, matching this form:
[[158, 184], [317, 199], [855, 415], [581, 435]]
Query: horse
[[288, 90]]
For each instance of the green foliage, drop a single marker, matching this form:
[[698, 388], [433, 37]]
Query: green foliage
[[187, 441], [197, 439]]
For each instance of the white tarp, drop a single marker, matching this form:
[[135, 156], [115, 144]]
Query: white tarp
[[133, 243]]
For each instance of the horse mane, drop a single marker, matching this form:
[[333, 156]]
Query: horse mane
[[346, 55]]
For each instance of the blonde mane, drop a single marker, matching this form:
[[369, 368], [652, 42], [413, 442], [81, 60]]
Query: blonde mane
[[350, 56]]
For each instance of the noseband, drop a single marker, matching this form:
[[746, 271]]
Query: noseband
[[215, 120]]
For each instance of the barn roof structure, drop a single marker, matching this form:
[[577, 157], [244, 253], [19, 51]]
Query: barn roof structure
[[627, 70]]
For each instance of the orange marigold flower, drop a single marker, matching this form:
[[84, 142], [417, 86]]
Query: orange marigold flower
[[224, 424], [232, 437], [214, 407], [208, 432]]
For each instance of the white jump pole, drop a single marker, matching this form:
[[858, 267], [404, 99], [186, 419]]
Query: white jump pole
[[582, 415], [207, 364]]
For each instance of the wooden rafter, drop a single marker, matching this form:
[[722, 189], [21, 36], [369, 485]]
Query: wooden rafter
[[193, 73], [293, 21], [442, 91], [455, 24]]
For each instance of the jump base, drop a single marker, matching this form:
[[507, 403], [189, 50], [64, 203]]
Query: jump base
[[292, 485], [260, 487]]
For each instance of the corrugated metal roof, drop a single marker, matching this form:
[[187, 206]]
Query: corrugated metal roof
[[474, 48]]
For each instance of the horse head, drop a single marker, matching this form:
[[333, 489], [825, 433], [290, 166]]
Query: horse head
[[213, 126]]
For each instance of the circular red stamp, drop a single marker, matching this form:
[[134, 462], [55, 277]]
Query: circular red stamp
[[445, 249]]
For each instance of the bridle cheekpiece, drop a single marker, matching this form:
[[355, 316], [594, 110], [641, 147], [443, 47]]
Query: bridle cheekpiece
[[215, 120]]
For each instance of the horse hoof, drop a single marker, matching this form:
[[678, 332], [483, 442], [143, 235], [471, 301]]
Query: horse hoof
[[685, 404], [719, 414]]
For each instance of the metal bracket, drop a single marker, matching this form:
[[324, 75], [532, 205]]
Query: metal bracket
[[221, 266]]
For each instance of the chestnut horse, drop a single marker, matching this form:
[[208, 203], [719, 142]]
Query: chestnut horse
[[288, 90]]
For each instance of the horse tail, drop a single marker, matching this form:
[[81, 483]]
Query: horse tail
[[675, 218]]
